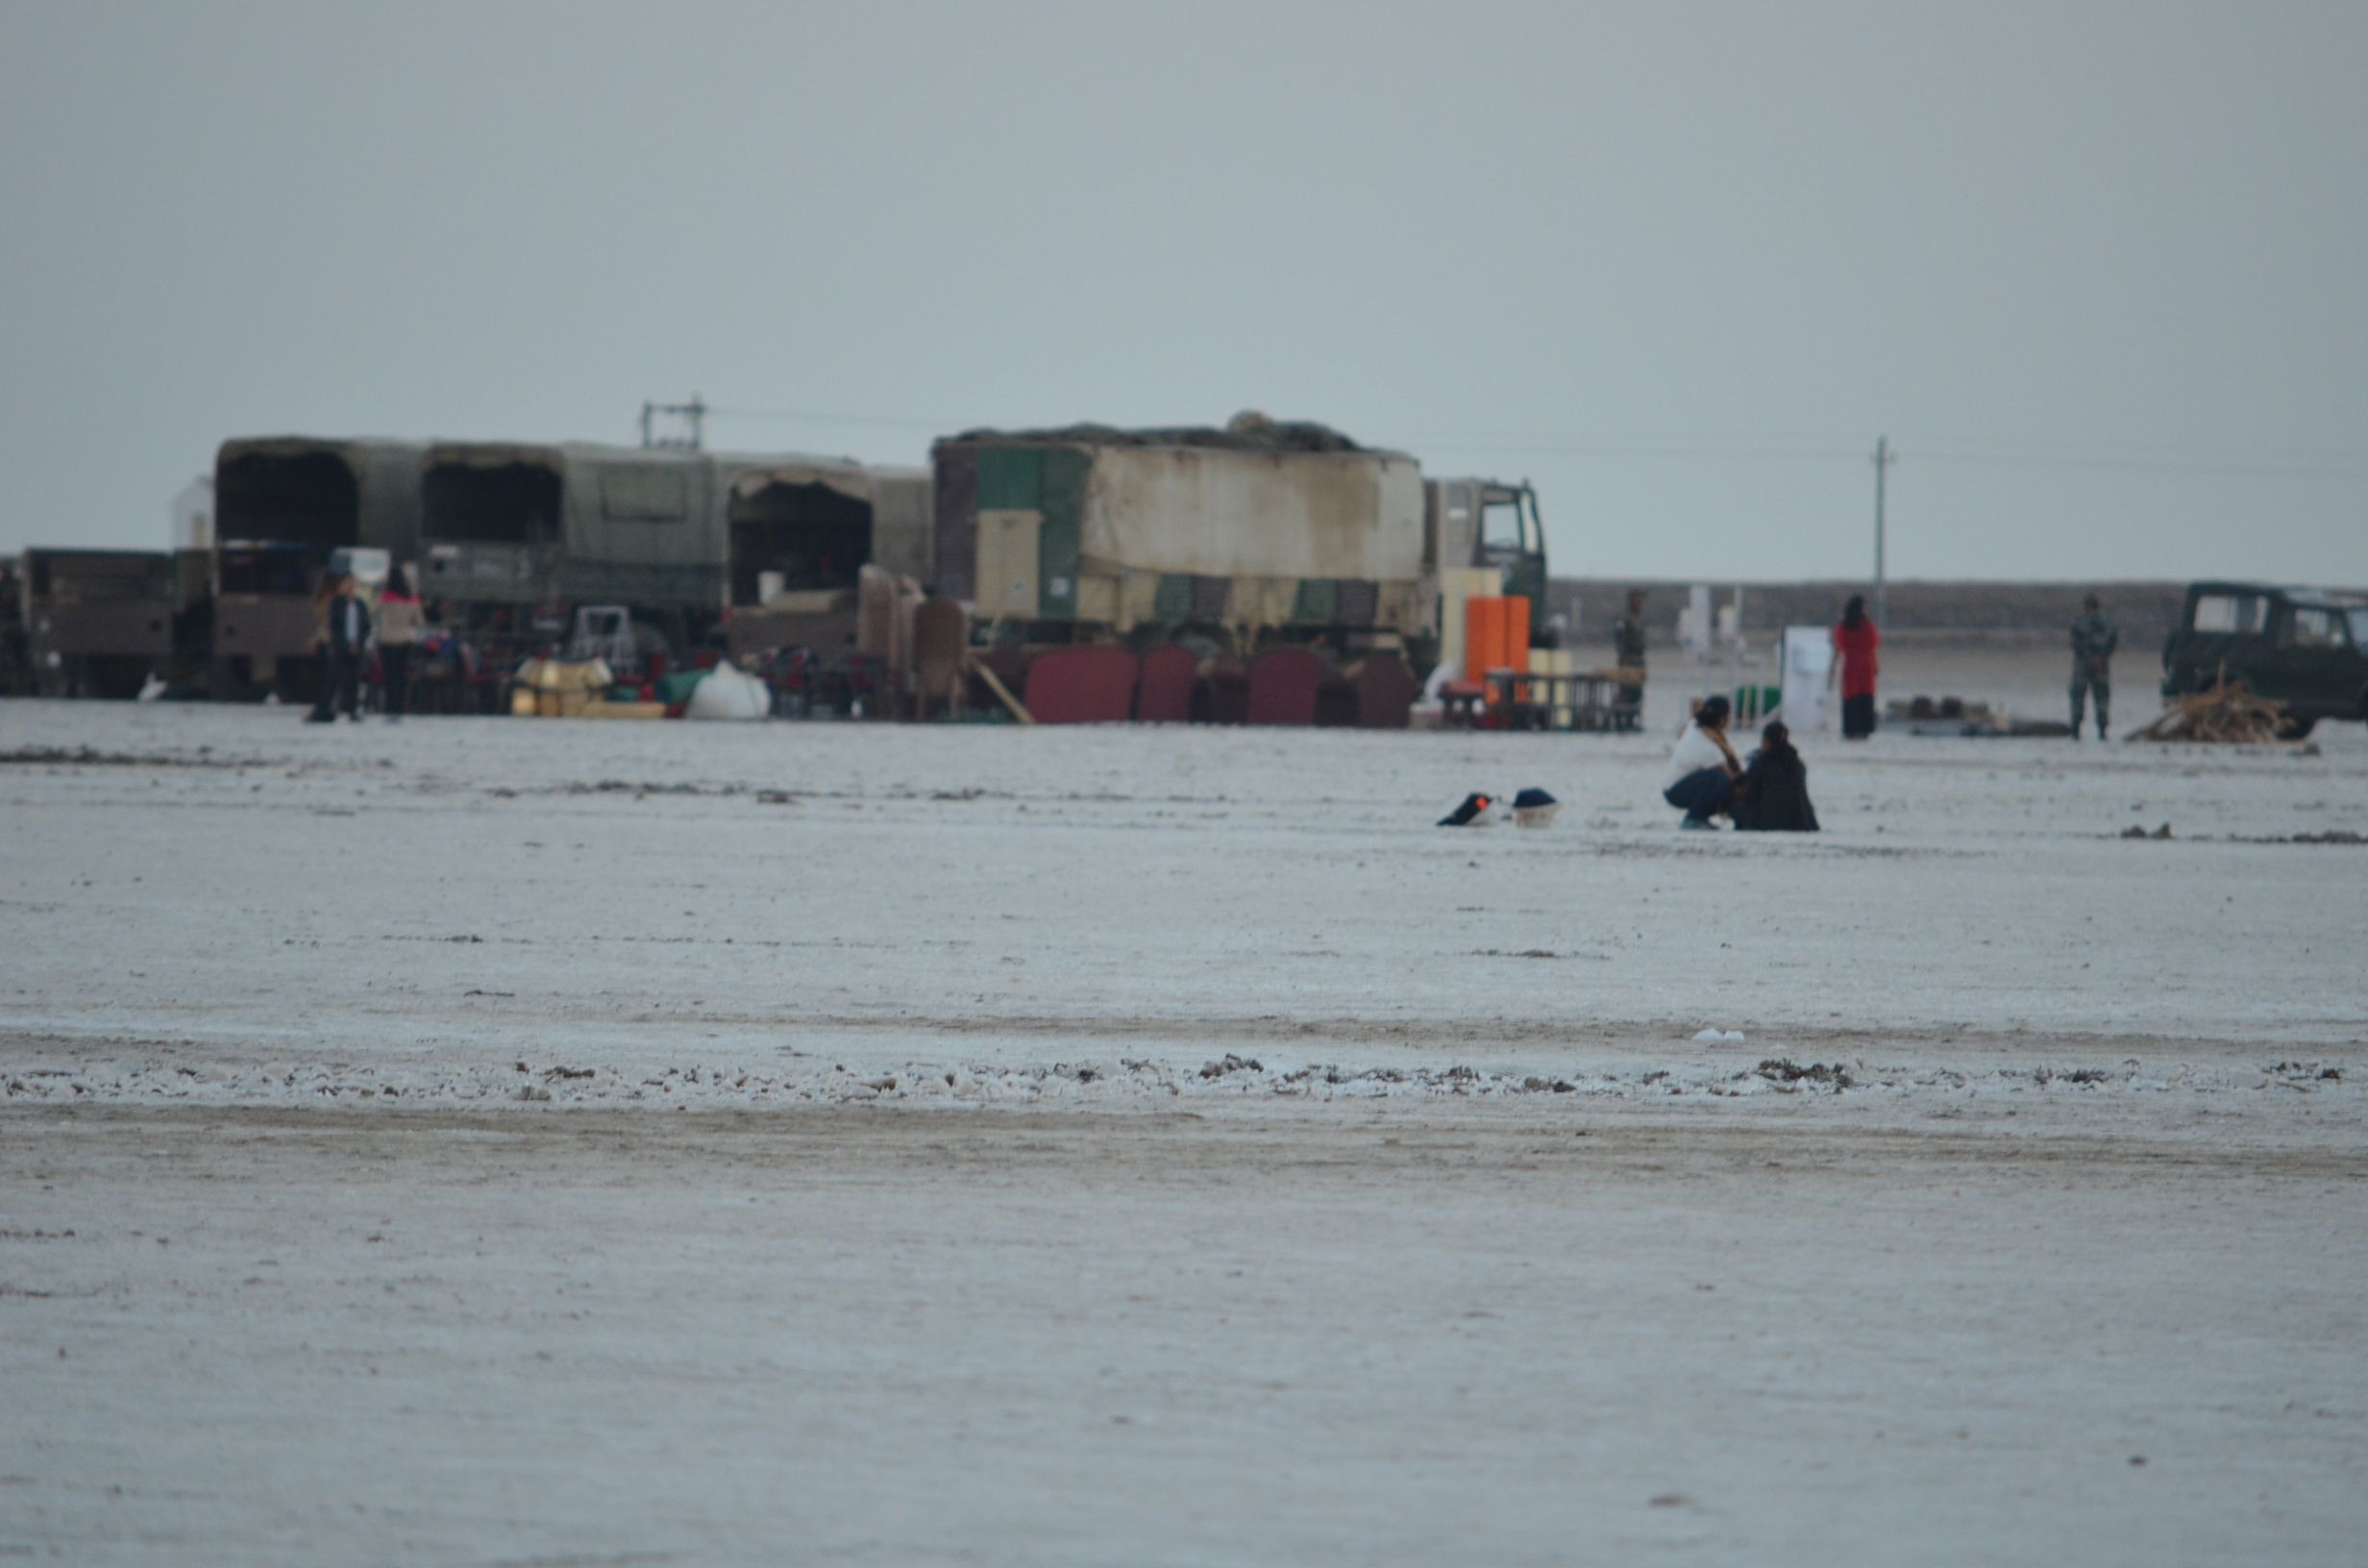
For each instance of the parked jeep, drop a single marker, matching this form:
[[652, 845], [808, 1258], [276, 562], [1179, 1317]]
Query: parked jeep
[[2303, 646]]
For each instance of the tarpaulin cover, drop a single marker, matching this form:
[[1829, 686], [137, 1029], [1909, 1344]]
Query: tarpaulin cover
[[1081, 686], [1248, 432], [1386, 692], [1282, 686], [1189, 511], [1164, 694]]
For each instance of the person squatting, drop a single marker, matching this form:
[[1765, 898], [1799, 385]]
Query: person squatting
[[1705, 780]]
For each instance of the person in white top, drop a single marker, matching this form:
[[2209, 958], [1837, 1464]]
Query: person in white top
[[399, 628], [1702, 768]]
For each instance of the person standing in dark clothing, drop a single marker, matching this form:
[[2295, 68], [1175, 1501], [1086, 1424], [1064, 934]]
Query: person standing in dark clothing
[[1772, 797], [349, 639], [324, 593], [2094, 637], [1628, 650], [1854, 642]]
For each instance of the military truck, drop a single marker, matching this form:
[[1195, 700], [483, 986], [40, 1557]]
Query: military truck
[[514, 536], [98, 622], [2305, 647], [802, 530], [284, 505], [1257, 533], [1488, 523]]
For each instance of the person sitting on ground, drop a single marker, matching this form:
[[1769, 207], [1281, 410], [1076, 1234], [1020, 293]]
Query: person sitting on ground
[[1772, 797], [1702, 768]]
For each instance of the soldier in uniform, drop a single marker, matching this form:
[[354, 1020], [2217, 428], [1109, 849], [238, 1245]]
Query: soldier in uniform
[[2094, 636], [1628, 652]]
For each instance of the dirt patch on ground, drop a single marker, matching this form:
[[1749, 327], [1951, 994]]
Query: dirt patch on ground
[[84, 756]]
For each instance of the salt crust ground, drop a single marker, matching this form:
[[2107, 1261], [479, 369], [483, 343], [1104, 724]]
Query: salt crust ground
[[1165, 1147]]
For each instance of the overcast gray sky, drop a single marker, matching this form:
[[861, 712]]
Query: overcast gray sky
[[2098, 269]]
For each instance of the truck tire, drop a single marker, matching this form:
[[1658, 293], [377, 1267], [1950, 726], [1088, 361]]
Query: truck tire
[[223, 683]]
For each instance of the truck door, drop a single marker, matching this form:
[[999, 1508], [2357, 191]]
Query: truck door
[[1513, 538], [2314, 658], [2226, 629]]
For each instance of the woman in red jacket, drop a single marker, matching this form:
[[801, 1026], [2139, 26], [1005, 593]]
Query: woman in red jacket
[[1854, 642]]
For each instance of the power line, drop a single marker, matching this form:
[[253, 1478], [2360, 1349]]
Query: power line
[[691, 417], [2127, 457], [814, 416], [1722, 451], [1969, 457], [2328, 465]]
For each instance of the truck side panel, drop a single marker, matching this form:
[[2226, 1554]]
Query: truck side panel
[[82, 603], [955, 510], [1210, 513], [901, 537], [262, 626], [1061, 535]]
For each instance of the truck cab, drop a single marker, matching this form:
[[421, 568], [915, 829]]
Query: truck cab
[[1492, 527], [1513, 540], [100, 621], [2306, 648]]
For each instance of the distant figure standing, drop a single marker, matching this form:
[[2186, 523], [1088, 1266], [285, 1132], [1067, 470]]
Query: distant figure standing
[[349, 636], [323, 592], [400, 626], [324, 595], [2094, 637], [1628, 651], [1854, 642], [1772, 797], [1702, 767]]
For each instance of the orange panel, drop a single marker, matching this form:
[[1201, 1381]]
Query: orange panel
[[1484, 636], [1516, 642]]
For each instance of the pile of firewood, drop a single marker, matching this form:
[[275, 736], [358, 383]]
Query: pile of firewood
[[2227, 715]]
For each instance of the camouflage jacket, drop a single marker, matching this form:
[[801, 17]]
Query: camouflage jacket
[[2093, 640], [1628, 641]]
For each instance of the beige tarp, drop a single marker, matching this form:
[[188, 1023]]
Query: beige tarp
[[1210, 513], [847, 477]]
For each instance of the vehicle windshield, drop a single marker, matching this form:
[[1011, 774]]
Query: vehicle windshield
[[2358, 615], [2230, 613], [1500, 524]]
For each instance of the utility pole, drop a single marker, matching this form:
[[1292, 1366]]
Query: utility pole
[[1885, 457], [693, 415]]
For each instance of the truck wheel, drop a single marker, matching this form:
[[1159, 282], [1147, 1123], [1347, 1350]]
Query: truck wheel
[[223, 685]]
